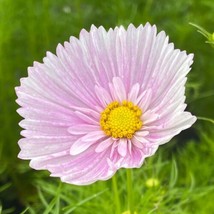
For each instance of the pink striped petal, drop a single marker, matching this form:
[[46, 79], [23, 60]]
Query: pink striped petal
[[103, 96], [86, 118], [118, 90], [104, 145], [85, 142], [122, 147], [82, 129], [133, 94]]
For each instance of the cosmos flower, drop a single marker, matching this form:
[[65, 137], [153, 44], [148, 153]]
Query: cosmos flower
[[105, 101]]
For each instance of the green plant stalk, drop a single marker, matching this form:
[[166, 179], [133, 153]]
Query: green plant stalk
[[116, 195], [206, 119], [209, 36], [129, 190]]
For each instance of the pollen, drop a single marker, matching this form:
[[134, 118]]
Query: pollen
[[121, 120]]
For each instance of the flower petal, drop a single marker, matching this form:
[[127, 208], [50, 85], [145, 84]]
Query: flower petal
[[86, 118], [85, 142], [104, 145], [81, 129], [117, 89], [122, 147], [103, 96], [38, 147], [133, 94], [89, 172]]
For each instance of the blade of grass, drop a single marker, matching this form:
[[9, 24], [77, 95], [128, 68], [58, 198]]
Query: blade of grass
[[71, 208], [42, 198], [4, 187], [24, 211], [173, 175], [55, 202]]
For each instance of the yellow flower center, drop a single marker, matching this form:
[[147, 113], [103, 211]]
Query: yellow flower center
[[121, 120]]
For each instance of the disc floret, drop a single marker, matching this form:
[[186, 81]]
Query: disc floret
[[121, 120]]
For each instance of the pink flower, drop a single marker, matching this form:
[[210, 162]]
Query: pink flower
[[105, 101]]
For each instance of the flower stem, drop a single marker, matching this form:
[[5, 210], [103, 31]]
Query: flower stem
[[116, 195], [129, 191]]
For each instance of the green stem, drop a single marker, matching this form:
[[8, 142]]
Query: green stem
[[129, 191], [116, 195], [206, 119]]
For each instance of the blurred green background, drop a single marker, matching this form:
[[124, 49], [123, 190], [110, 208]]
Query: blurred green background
[[184, 167]]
